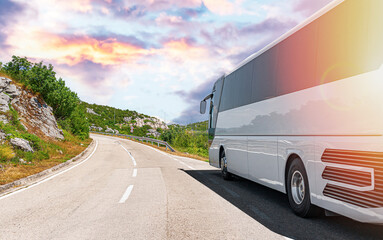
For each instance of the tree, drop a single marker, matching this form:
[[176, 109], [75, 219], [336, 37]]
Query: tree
[[78, 123]]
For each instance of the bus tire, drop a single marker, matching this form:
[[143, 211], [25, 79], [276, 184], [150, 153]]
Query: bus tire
[[298, 191], [223, 162]]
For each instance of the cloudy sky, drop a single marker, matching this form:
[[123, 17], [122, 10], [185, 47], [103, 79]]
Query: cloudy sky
[[158, 57]]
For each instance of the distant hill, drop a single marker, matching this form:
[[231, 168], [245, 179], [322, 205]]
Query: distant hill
[[109, 119]]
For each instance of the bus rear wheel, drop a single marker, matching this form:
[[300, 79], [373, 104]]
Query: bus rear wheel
[[298, 191], [225, 174]]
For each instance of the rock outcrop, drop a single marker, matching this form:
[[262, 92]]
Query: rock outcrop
[[34, 113], [91, 111], [127, 119], [22, 144], [2, 136], [152, 122], [4, 102], [95, 128], [109, 130], [154, 133]]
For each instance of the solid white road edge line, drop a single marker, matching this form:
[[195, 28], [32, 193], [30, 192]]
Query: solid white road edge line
[[168, 155], [51, 177], [184, 164], [126, 194], [134, 172], [133, 160]]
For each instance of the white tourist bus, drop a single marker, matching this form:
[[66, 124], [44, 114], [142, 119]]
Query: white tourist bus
[[304, 115]]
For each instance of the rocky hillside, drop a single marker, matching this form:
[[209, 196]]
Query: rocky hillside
[[32, 98], [34, 114], [113, 120], [30, 139]]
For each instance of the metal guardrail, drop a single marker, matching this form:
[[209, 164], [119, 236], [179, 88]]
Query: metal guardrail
[[142, 139]]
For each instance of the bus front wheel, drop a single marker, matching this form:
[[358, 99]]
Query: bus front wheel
[[223, 162], [298, 191]]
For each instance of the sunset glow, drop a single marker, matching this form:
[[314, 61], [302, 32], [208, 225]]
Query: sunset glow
[[156, 57]]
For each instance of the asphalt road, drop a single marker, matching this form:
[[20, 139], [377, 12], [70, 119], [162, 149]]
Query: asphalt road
[[126, 190]]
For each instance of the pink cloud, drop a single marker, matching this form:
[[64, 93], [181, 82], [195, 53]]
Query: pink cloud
[[308, 7], [165, 19], [72, 50]]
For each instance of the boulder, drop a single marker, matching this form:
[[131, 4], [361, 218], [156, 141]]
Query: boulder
[[4, 101], [4, 82], [2, 136], [4, 119], [109, 130], [12, 91], [91, 111], [95, 128], [22, 144]]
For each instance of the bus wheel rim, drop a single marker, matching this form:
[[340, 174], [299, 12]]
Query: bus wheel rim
[[297, 187]]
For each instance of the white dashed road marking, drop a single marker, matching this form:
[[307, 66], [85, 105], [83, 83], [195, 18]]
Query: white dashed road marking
[[126, 194]]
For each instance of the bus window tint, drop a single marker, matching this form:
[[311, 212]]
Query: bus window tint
[[228, 94], [244, 78], [264, 77], [343, 49], [344, 42], [297, 60]]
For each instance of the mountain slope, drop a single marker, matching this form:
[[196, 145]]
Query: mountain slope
[[110, 119]]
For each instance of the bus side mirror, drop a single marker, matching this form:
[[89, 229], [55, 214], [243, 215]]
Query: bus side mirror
[[202, 107]]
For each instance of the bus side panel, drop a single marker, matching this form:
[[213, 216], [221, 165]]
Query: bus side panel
[[263, 161], [349, 176], [236, 155]]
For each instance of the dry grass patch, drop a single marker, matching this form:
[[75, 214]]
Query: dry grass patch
[[11, 171]]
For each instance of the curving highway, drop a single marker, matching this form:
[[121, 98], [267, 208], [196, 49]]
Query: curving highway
[[126, 190]]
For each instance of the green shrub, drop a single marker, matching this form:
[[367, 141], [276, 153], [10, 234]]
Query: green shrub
[[34, 141], [79, 125], [42, 79]]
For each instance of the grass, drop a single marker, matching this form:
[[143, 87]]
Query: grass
[[3, 74], [178, 152], [6, 153], [48, 153], [59, 152]]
